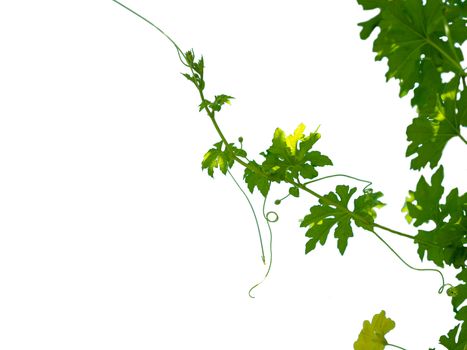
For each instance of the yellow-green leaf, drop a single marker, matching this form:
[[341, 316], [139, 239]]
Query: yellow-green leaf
[[372, 335], [292, 140]]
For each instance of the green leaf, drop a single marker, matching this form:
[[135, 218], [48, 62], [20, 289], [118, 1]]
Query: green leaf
[[411, 32], [204, 104], [423, 205], [197, 70], [190, 57], [427, 92], [294, 191], [364, 208], [221, 157], [254, 178], [439, 120], [449, 340], [290, 156], [219, 101], [198, 67], [445, 243], [461, 290], [462, 108], [421, 40], [436, 248], [372, 336], [333, 213], [461, 314]]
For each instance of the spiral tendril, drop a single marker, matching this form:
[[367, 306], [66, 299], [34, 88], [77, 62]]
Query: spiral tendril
[[275, 218]]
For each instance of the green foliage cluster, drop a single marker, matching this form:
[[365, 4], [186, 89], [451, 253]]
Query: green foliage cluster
[[423, 206], [420, 40], [421, 43], [289, 158]]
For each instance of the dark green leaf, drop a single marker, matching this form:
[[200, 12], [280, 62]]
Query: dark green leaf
[[423, 205], [411, 32], [460, 296], [294, 191], [364, 209], [254, 179], [449, 340], [439, 120], [445, 243], [188, 76], [190, 57], [421, 40], [333, 212], [204, 104]]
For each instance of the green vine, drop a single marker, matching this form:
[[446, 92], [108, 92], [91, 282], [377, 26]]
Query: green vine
[[421, 41]]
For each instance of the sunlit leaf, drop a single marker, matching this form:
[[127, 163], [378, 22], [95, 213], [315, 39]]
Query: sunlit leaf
[[372, 336], [221, 157]]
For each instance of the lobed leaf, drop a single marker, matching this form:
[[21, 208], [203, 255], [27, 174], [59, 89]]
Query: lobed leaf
[[445, 243], [221, 157], [255, 178], [412, 31], [421, 40], [372, 336], [440, 119], [452, 340], [290, 157], [333, 214]]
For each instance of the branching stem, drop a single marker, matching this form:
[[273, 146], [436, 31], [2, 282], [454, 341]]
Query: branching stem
[[303, 187]]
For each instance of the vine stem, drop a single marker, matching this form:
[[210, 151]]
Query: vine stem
[[211, 115], [313, 193], [394, 231]]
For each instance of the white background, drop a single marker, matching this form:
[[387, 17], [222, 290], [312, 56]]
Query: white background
[[111, 237]]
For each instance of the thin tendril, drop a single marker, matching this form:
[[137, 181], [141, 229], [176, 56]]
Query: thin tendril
[[369, 183], [179, 51], [182, 58], [254, 215], [440, 290], [268, 221]]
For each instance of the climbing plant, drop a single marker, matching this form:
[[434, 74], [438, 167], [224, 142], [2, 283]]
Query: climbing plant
[[421, 42]]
